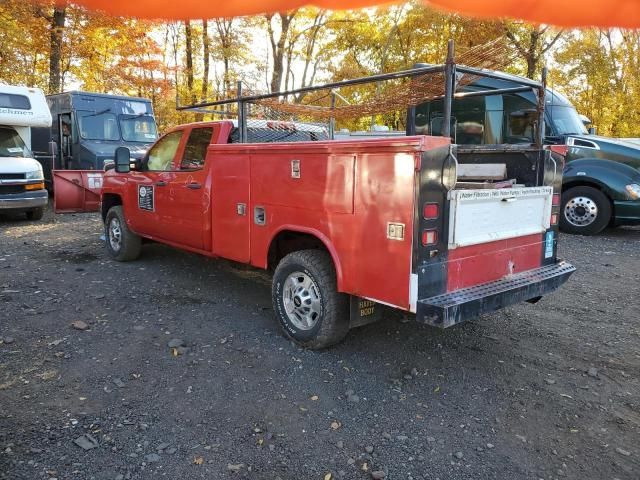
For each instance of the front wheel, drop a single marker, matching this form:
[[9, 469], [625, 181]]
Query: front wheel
[[309, 307], [35, 214], [584, 211], [122, 244]]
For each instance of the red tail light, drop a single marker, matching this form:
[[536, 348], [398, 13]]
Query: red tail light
[[429, 237], [430, 211], [556, 200], [554, 219]]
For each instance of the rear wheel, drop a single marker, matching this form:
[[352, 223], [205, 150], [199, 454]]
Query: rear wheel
[[584, 211], [35, 214], [122, 244], [309, 307]]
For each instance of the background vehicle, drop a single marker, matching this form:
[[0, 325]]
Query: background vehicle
[[88, 127], [22, 186], [601, 184]]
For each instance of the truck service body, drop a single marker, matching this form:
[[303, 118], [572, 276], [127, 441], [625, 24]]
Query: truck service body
[[21, 176], [387, 212]]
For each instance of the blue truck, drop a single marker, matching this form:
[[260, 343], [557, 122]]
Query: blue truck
[[88, 127]]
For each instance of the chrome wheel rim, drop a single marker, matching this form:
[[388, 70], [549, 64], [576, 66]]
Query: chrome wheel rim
[[115, 234], [302, 300], [581, 211]]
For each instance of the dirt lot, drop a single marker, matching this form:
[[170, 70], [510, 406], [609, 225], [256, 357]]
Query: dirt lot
[[536, 391]]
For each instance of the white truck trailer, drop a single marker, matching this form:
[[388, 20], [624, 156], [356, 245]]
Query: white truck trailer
[[22, 187]]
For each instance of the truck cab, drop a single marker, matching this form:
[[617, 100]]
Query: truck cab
[[601, 179], [88, 127], [22, 188]]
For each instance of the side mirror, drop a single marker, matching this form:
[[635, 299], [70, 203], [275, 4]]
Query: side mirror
[[592, 130], [123, 160]]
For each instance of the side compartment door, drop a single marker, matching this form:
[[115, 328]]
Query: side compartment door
[[230, 199]]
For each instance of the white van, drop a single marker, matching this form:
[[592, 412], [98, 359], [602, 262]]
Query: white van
[[22, 187]]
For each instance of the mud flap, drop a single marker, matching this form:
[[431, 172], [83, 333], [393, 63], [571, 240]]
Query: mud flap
[[363, 312], [76, 191]]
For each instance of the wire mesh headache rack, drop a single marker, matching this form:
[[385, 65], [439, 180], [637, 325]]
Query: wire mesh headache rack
[[381, 105]]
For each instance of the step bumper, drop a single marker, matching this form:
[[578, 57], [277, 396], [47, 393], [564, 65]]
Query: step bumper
[[450, 308]]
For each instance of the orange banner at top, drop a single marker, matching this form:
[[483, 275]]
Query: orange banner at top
[[565, 13]]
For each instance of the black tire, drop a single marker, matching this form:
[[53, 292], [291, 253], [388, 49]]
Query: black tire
[[332, 318], [129, 245], [584, 211], [35, 214]]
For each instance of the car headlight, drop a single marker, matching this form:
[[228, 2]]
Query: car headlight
[[35, 175], [633, 190]]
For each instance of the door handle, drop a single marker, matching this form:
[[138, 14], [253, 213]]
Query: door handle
[[161, 184], [194, 186]]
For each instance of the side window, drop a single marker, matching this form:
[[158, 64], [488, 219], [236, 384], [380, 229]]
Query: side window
[[470, 116], [494, 119], [162, 153], [196, 149], [520, 119], [437, 122], [425, 112]]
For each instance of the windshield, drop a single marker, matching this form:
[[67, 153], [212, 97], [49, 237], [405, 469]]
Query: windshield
[[11, 145], [98, 126], [565, 120], [138, 128]]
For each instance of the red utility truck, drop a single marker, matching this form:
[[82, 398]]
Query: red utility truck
[[345, 225], [413, 222]]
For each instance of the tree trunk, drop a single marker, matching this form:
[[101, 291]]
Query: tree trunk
[[189, 55], [55, 45], [532, 66], [205, 58], [225, 34], [278, 47], [531, 45], [227, 79]]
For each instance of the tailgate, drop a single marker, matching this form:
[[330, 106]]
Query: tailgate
[[482, 216]]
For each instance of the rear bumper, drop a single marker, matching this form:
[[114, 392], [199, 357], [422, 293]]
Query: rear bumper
[[24, 201], [460, 305]]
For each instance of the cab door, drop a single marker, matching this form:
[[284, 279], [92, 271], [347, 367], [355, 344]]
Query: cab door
[[147, 188], [183, 209]]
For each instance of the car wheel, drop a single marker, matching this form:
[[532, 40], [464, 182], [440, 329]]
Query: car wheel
[[122, 244], [35, 214], [584, 211], [309, 307]]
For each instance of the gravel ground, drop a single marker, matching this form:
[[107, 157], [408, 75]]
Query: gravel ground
[[173, 366]]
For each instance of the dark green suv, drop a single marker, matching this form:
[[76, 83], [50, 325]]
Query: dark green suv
[[601, 182]]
